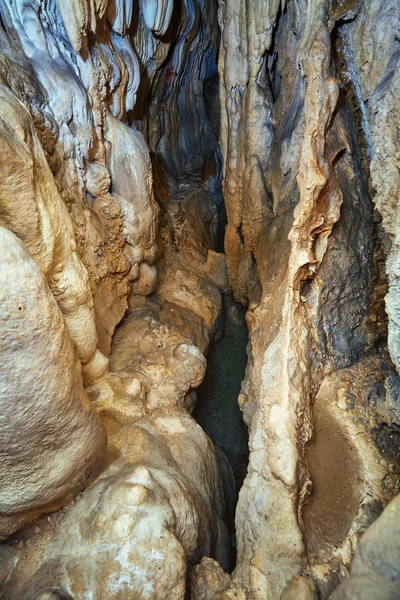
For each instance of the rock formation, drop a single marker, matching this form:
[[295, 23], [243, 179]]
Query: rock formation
[[43, 405], [299, 193], [375, 568], [161, 160]]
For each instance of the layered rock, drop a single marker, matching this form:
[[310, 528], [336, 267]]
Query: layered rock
[[163, 485], [78, 90], [159, 507], [371, 60], [78, 192], [305, 249]]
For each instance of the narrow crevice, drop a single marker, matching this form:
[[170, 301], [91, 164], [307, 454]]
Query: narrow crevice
[[217, 409]]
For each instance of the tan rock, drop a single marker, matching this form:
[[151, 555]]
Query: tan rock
[[31, 207], [375, 571], [215, 269], [150, 516], [300, 587], [210, 582], [52, 443]]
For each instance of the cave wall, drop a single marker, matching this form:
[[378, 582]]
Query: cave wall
[[126, 149], [84, 211], [83, 253], [305, 90], [75, 70]]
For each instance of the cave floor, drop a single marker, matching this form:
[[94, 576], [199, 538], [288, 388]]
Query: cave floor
[[217, 409]]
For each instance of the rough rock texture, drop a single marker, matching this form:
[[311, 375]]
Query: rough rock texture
[[139, 526], [375, 570], [303, 86], [32, 208], [116, 251], [78, 102], [371, 53], [77, 190], [159, 507], [209, 582]]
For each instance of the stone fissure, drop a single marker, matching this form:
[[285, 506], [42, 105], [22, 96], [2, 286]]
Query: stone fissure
[[199, 342], [217, 409]]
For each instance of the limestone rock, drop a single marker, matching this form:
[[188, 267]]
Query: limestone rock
[[375, 571], [372, 587], [78, 91], [52, 442], [153, 513], [209, 582], [352, 471], [168, 360], [372, 63], [300, 587], [31, 207], [109, 108], [297, 88], [215, 269]]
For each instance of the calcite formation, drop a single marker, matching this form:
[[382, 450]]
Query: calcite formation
[[155, 157], [298, 155], [52, 441], [375, 568], [78, 94], [159, 506]]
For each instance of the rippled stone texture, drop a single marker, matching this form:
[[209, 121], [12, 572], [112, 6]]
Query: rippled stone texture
[[52, 442], [102, 102]]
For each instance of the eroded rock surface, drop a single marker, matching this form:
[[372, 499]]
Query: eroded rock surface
[[163, 479], [118, 244], [52, 442], [375, 569], [77, 91], [164, 482], [305, 249]]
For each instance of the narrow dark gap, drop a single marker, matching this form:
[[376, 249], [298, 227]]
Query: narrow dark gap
[[188, 166], [217, 409]]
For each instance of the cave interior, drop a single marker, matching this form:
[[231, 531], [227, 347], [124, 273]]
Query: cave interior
[[199, 300]]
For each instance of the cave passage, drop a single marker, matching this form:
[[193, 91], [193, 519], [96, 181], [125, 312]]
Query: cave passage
[[217, 409]]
